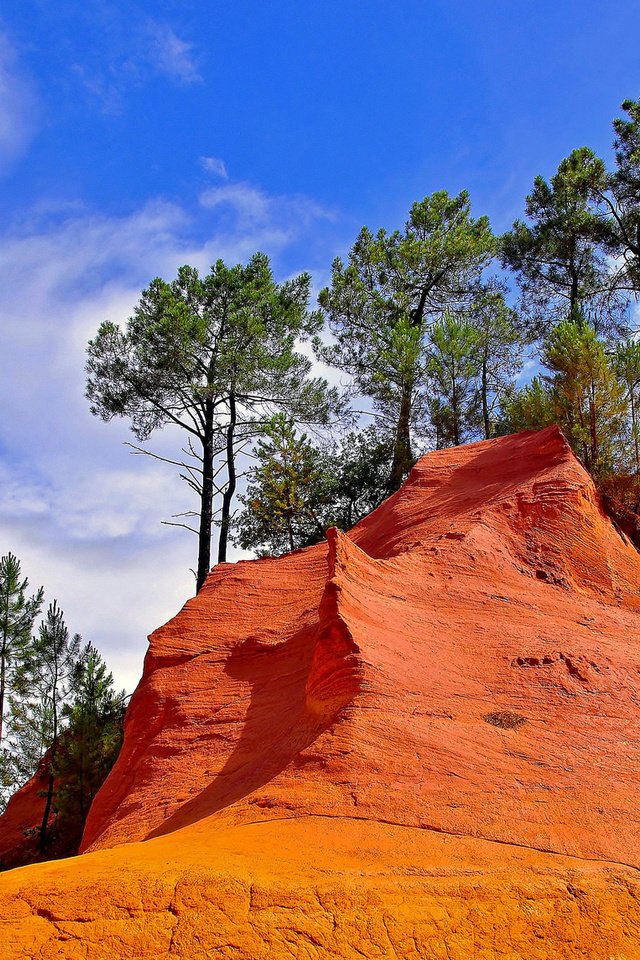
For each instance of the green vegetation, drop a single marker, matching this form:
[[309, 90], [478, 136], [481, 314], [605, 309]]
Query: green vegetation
[[215, 356], [560, 255], [298, 489], [418, 320], [17, 616], [627, 368], [581, 393], [498, 350], [89, 743], [453, 368], [381, 305], [61, 714]]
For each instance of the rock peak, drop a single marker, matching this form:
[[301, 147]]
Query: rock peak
[[449, 690], [382, 651]]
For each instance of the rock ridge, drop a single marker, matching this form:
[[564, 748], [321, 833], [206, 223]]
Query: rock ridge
[[439, 706]]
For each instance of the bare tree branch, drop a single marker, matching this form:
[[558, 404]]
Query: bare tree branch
[[138, 451], [170, 523]]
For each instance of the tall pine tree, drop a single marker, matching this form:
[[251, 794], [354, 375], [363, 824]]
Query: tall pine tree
[[89, 743], [17, 616], [47, 678], [216, 356], [382, 302]]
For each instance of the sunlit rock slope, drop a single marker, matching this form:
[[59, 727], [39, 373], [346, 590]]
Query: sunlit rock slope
[[418, 739]]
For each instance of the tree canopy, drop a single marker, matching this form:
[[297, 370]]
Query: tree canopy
[[381, 302], [89, 744], [581, 393], [560, 255], [17, 616], [63, 716], [623, 199], [298, 489], [215, 356]]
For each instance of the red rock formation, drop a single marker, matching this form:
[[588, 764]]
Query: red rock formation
[[22, 819], [450, 691]]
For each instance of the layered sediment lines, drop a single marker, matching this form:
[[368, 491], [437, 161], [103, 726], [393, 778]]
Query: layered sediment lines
[[419, 738]]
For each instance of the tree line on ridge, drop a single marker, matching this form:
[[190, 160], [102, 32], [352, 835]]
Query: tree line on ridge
[[423, 323], [60, 714]]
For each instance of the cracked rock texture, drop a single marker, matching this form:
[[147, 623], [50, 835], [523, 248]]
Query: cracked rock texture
[[418, 739]]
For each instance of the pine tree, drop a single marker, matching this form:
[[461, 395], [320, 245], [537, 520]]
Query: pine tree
[[560, 255], [499, 347], [380, 306], [281, 488], [454, 369], [217, 356], [17, 616], [581, 393], [298, 490], [591, 393], [534, 407], [622, 201], [627, 365], [47, 678], [89, 744]]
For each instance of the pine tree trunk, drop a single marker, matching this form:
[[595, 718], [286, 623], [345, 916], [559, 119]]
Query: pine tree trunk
[[574, 291], [290, 533], [225, 518], [3, 659], [455, 411], [634, 428], [579, 405], [44, 835], [485, 401], [3, 680], [593, 431], [402, 458], [206, 500]]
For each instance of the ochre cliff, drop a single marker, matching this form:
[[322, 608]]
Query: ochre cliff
[[22, 819], [418, 739]]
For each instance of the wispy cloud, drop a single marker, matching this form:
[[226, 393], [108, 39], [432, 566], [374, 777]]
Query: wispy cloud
[[79, 510], [170, 55], [83, 514], [530, 369], [129, 55], [246, 208], [104, 85], [215, 166], [18, 106]]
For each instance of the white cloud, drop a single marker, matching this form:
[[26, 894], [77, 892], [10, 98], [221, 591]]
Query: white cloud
[[18, 107], [80, 511], [105, 86], [170, 55], [113, 597], [135, 50], [248, 208], [249, 202], [214, 165], [530, 369]]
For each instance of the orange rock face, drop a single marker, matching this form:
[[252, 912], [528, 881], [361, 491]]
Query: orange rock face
[[419, 739], [22, 819]]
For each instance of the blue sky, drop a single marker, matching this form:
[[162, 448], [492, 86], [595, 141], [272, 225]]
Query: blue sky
[[137, 136]]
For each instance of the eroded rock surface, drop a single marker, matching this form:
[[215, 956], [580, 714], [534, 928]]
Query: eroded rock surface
[[418, 739]]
